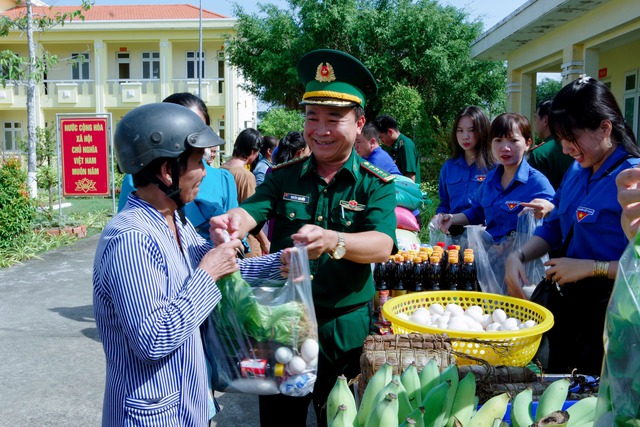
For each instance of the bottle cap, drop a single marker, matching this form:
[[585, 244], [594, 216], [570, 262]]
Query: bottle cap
[[441, 244], [453, 257], [279, 369], [451, 247], [417, 260], [468, 257], [435, 259], [399, 258]]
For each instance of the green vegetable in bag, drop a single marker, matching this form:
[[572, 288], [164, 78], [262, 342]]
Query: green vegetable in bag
[[619, 393]]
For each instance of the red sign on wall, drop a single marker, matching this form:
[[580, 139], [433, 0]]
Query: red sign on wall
[[85, 156], [602, 73]]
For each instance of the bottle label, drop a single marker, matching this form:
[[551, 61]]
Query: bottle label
[[253, 368], [384, 297]]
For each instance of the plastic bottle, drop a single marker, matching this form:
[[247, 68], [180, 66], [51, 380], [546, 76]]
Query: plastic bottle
[[436, 276], [399, 288], [380, 286], [417, 275], [469, 272], [260, 369], [383, 298], [453, 271]]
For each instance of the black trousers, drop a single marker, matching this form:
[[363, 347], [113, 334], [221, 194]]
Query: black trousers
[[576, 339]]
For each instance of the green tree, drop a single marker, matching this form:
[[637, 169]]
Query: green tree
[[280, 121], [547, 89], [32, 68], [416, 44], [405, 104], [46, 158]]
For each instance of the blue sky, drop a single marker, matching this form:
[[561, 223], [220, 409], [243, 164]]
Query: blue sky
[[489, 11]]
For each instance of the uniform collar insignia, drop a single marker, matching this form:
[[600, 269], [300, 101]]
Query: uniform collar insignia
[[480, 178], [512, 205], [324, 73], [352, 205], [582, 213]]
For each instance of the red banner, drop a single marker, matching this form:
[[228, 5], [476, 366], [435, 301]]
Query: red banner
[[85, 156]]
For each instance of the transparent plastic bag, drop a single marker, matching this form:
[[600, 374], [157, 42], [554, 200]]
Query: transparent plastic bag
[[619, 393], [264, 340], [491, 256]]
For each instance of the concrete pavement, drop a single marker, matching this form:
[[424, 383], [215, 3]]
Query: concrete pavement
[[51, 359]]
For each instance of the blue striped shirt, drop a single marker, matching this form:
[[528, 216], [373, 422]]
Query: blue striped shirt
[[150, 299]]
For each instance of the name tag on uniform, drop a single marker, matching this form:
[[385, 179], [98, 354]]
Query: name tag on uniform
[[352, 205], [295, 198]]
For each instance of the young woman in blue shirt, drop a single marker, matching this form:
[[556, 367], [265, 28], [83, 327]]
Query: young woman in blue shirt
[[498, 201], [470, 160], [586, 118]]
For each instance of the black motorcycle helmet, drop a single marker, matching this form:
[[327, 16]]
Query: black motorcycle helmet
[[158, 131]]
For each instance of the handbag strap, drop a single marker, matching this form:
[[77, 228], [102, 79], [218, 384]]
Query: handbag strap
[[567, 240]]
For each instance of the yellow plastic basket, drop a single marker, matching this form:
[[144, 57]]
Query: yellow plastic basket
[[509, 348]]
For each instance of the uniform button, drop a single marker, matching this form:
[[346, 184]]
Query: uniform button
[[292, 214], [320, 218], [348, 223], [311, 277], [324, 191]]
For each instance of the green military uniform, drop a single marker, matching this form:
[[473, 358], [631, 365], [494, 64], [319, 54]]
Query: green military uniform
[[359, 198], [549, 159], [406, 156]]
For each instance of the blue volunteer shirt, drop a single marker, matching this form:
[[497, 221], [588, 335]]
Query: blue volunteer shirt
[[589, 202], [457, 184], [149, 299], [498, 207], [383, 160]]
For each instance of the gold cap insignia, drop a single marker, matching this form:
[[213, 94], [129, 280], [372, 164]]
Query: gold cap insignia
[[324, 73]]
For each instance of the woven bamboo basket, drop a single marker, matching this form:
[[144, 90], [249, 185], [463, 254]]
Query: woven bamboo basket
[[400, 351]]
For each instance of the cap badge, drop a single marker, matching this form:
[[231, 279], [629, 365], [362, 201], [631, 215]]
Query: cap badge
[[324, 73]]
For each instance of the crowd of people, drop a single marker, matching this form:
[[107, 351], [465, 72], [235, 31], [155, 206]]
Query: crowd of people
[[330, 188]]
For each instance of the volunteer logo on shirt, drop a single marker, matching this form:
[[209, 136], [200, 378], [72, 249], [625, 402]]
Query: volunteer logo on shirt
[[582, 213], [512, 205], [480, 178]]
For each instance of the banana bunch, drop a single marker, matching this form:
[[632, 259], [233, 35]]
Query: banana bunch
[[428, 398], [581, 413]]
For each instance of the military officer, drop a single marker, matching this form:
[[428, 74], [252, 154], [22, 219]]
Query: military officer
[[338, 205]]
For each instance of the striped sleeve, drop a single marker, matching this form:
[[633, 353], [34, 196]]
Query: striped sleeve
[[159, 310], [262, 269]]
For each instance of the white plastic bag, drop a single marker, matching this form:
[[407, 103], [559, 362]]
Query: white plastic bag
[[264, 340]]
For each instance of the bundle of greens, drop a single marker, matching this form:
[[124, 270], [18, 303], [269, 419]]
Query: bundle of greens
[[241, 313]]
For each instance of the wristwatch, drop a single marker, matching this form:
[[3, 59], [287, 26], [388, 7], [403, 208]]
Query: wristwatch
[[339, 251]]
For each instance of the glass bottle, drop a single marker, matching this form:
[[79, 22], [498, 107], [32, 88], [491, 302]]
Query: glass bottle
[[453, 271], [435, 275]]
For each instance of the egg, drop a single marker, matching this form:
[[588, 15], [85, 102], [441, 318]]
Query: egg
[[486, 320], [475, 312], [313, 363], [457, 325], [436, 309], [510, 324], [499, 315], [309, 350], [494, 327], [421, 317], [296, 365], [402, 315], [454, 309], [283, 355], [529, 324]]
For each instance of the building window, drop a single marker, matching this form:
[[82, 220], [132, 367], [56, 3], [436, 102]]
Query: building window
[[192, 65], [632, 101], [220, 58], [150, 65], [124, 65], [221, 128], [80, 66], [12, 134]]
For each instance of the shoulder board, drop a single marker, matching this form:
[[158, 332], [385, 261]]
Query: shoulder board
[[376, 171], [290, 162]]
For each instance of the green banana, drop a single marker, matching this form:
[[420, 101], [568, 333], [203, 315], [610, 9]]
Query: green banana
[[341, 419], [583, 411], [496, 407], [385, 414], [499, 423], [339, 395], [552, 398], [418, 416], [409, 422], [376, 383], [429, 377], [404, 406], [464, 401], [452, 375], [434, 404], [411, 382], [521, 409]]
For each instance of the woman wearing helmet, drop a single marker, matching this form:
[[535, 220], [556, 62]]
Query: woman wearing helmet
[[154, 277]]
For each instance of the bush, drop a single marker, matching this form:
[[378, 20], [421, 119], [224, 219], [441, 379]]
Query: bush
[[17, 210]]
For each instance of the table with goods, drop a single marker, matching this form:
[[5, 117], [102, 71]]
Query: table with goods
[[444, 353]]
